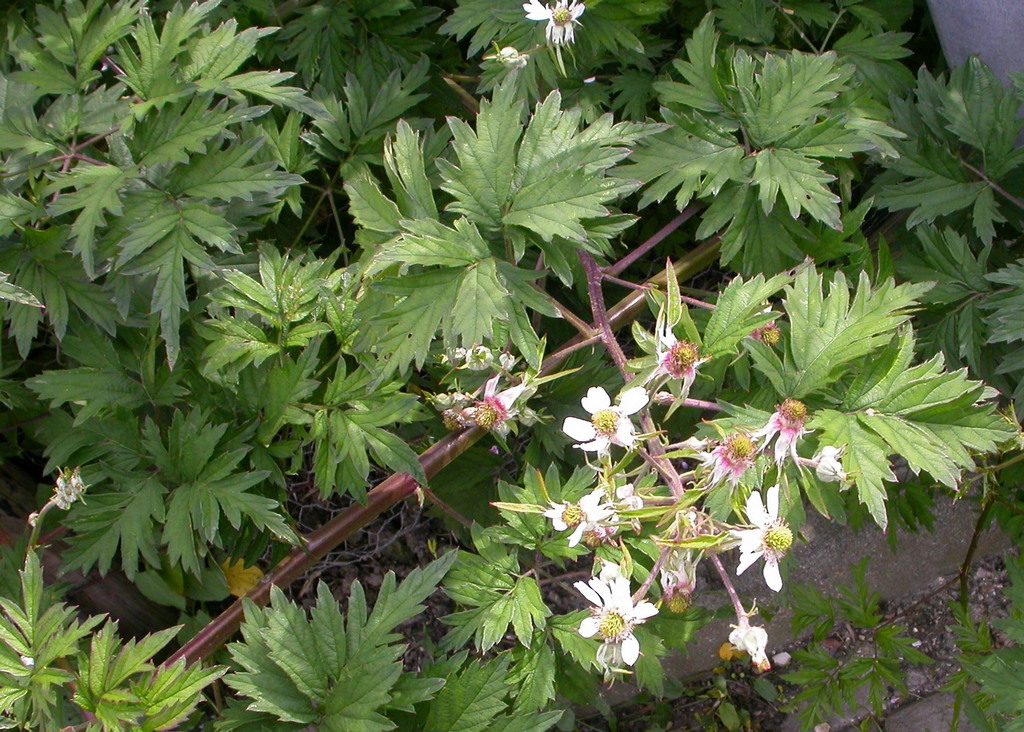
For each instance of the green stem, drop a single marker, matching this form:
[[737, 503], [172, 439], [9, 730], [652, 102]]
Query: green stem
[[965, 568]]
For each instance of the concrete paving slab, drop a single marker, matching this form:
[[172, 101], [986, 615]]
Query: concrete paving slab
[[931, 714]]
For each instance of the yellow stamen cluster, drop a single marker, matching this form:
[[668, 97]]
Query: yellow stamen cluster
[[612, 626], [740, 447], [572, 515], [770, 334], [680, 358], [793, 411], [605, 422], [561, 16], [677, 601], [778, 538], [487, 415]]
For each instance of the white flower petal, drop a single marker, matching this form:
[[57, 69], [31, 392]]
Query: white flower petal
[[620, 598], [603, 589], [596, 400], [576, 10], [598, 445], [509, 396], [578, 429], [592, 500], [588, 592], [644, 610], [772, 576], [751, 540], [574, 537], [609, 571], [746, 560], [555, 513], [624, 433], [633, 400], [589, 627], [773, 503], [536, 11], [755, 508], [630, 649]]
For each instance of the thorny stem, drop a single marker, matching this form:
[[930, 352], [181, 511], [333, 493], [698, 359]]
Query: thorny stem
[[320, 542], [38, 524], [658, 463], [796, 28], [448, 510], [625, 283], [569, 316], [995, 186], [666, 398], [696, 303], [655, 240], [401, 485], [727, 581], [641, 592], [1007, 463], [601, 314]]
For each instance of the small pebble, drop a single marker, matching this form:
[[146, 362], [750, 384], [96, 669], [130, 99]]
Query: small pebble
[[781, 659]]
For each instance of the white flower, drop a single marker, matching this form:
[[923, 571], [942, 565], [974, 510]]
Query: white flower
[[677, 359], [613, 619], [590, 514], [561, 19], [678, 580], [609, 425], [788, 425], [753, 640], [27, 661], [494, 409], [770, 539], [730, 460], [827, 465]]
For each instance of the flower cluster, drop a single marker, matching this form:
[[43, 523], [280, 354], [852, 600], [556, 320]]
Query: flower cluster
[[738, 451], [598, 516], [479, 358], [69, 488]]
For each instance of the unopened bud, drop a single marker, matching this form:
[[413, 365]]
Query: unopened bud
[[828, 467]]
